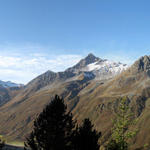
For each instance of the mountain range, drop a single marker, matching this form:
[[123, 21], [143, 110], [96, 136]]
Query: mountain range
[[91, 88], [8, 90], [9, 84]]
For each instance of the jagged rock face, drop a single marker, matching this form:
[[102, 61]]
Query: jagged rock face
[[84, 62], [101, 69], [43, 79], [138, 73], [142, 64]]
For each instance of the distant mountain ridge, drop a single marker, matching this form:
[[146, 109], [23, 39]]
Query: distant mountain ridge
[[8, 90], [8, 84]]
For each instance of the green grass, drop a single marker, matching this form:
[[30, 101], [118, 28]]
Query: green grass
[[16, 143], [13, 143]]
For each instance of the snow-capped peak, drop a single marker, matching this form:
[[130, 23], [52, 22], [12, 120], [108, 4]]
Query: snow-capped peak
[[105, 69], [107, 65], [100, 68]]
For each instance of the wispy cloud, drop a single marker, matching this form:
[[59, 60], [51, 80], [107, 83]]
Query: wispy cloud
[[22, 63], [23, 68], [122, 56]]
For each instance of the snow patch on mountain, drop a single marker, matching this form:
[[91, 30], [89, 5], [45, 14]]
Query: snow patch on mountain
[[8, 84], [107, 66]]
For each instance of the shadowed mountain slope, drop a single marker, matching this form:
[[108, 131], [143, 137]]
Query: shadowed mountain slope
[[8, 93]]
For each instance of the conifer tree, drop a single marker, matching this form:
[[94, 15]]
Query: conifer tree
[[120, 131], [86, 138], [52, 129]]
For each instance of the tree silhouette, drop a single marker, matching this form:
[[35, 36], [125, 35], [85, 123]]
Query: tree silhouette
[[2, 144], [86, 138], [53, 128]]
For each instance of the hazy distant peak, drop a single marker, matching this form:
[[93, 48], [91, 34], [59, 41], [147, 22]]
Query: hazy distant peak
[[8, 84]]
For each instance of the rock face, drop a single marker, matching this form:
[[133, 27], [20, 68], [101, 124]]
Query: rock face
[[102, 69], [84, 62], [87, 94], [141, 65]]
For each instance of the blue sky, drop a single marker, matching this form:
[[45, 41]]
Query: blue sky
[[40, 35]]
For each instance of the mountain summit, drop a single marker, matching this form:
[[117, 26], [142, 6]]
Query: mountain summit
[[84, 62], [141, 65], [101, 68], [91, 59]]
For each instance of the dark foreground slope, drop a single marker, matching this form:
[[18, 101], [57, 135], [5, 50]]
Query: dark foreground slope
[[10, 147]]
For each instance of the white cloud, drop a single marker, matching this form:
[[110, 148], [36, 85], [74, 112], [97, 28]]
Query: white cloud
[[22, 63], [23, 68]]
